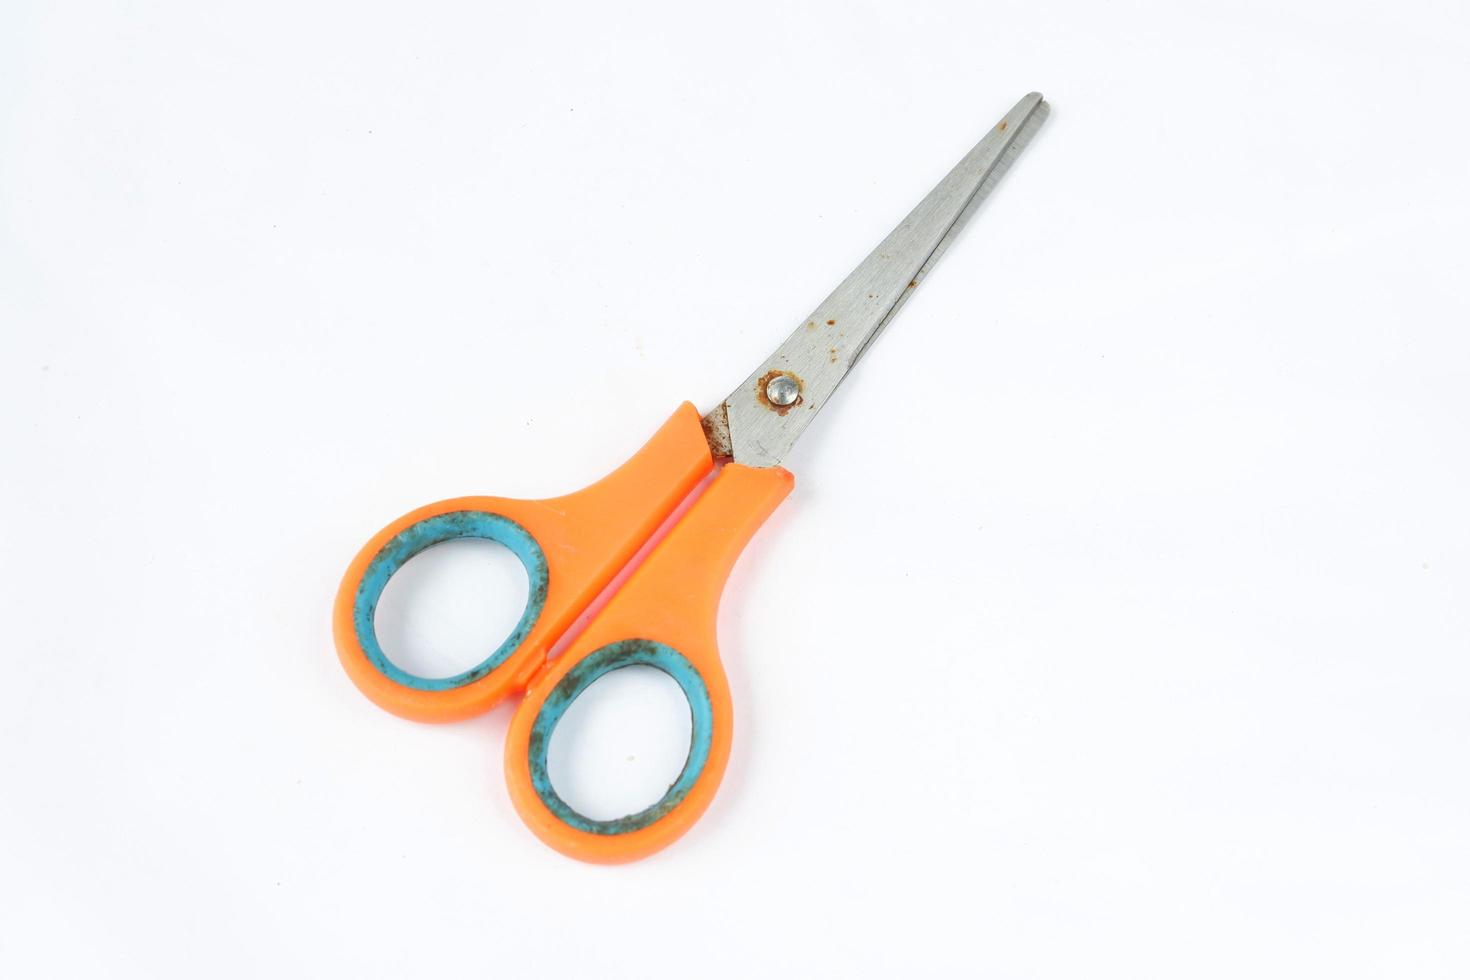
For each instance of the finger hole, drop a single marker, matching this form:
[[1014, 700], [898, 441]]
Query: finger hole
[[621, 744], [448, 606], [583, 674], [398, 551]]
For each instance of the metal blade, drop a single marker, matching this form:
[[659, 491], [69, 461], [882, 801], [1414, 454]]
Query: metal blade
[[763, 417]]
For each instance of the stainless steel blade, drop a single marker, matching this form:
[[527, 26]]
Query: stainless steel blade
[[760, 420]]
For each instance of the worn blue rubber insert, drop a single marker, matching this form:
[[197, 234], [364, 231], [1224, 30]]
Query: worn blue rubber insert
[[425, 534], [625, 653]]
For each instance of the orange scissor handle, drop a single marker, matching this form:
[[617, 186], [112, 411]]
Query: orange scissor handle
[[571, 548], [664, 617]]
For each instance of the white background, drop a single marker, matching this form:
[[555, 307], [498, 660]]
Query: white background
[[1118, 625]]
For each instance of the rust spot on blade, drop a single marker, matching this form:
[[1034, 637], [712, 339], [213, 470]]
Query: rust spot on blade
[[760, 391], [831, 323], [717, 432], [811, 324], [912, 283], [832, 354], [1002, 126]]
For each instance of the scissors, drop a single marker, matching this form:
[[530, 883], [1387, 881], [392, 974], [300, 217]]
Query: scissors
[[662, 615]]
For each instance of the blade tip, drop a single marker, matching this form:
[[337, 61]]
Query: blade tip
[[1031, 103]]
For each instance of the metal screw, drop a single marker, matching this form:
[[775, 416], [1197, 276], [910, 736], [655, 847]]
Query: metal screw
[[782, 390]]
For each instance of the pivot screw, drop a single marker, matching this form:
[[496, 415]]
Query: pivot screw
[[782, 390]]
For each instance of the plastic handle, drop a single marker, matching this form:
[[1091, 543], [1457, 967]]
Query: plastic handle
[[664, 617], [571, 548]]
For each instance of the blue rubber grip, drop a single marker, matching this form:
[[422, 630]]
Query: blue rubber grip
[[425, 534], [614, 656]]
